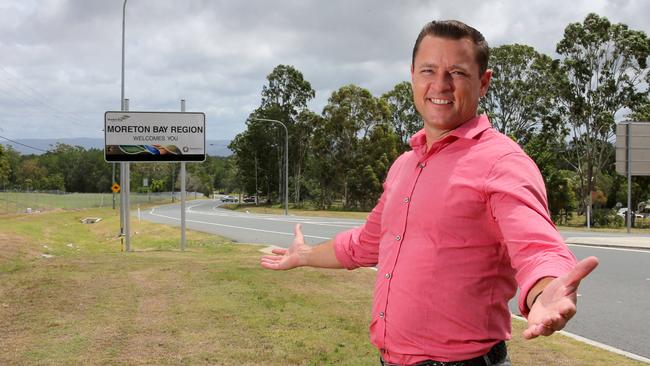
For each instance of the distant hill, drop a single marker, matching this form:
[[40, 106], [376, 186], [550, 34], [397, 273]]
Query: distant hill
[[213, 147]]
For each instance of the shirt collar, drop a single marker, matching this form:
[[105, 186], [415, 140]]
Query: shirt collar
[[468, 130]]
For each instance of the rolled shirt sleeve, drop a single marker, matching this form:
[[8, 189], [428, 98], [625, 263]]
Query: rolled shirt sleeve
[[359, 247], [518, 204]]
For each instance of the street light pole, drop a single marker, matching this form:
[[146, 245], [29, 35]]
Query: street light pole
[[123, 27], [286, 161], [124, 167]]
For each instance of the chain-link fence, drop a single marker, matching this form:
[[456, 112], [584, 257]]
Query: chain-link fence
[[12, 201]]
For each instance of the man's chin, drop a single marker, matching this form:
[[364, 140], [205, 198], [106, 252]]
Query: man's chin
[[443, 123]]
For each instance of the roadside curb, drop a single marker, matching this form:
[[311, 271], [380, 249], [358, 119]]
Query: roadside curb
[[610, 246], [589, 242], [595, 343]]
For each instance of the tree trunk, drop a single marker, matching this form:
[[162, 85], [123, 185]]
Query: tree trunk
[[345, 191], [296, 180]]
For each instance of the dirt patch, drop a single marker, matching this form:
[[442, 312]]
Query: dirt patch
[[13, 246]]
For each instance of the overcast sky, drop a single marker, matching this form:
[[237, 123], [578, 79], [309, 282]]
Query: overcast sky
[[60, 60]]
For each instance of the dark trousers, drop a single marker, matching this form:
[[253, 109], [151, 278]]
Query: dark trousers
[[497, 356]]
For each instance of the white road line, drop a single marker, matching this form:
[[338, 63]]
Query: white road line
[[609, 248], [597, 344], [309, 221], [237, 227]]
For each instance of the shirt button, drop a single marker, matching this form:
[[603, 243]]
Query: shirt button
[[406, 199], [387, 275], [381, 314], [398, 238], [422, 165]]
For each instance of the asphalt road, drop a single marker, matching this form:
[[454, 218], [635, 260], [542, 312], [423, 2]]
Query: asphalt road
[[614, 301]]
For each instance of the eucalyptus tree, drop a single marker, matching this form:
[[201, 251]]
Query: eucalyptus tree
[[259, 149], [521, 91], [605, 65], [350, 115], [404, 118]]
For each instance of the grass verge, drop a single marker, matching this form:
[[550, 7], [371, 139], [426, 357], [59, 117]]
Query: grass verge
[[86, 302]]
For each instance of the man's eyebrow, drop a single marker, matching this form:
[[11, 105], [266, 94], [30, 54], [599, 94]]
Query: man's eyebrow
[[427, 65], [463, 67]]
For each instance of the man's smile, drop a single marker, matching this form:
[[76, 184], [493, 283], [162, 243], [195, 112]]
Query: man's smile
[[440, 101]]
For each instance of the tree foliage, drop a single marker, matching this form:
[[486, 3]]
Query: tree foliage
[[604, 65], [521, 92], [404, 118]]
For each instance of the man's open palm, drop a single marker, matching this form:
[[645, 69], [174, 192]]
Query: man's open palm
[[287, 258], [557, 303]]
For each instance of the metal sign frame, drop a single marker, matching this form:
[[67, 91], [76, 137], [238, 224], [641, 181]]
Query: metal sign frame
[[638, 154], [154, 136], [632, 156]]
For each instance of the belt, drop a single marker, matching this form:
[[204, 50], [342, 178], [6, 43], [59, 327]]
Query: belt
[[496, 354]]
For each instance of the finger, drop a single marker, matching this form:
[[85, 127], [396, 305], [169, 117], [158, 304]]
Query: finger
[[531, 332], [269, 258], [581, 270], [279, 251], [568, 313], [536, 330], [268, 265], [297, 230]]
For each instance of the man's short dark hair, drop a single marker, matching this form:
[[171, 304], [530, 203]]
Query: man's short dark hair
[[454, 29]]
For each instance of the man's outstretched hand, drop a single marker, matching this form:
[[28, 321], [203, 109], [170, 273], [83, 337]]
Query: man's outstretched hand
[[557, 303], [288, 258]]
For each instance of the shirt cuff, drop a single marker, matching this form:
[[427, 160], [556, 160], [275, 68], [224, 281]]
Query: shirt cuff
[[342, 251], [538, 274]]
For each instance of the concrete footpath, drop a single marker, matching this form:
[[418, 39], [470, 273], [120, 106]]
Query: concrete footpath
[[604, 239]]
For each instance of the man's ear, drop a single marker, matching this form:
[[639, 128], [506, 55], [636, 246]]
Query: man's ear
[[485, 81]]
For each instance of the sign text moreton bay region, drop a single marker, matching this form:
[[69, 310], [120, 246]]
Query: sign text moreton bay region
[[153, 129]]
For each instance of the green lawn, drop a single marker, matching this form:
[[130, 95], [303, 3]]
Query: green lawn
[[68, 295], [20, 202]]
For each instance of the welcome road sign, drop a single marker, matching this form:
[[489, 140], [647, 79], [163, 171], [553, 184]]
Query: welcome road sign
[[154, 136]]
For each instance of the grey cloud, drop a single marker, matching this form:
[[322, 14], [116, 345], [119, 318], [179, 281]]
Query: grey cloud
[[216, 54]]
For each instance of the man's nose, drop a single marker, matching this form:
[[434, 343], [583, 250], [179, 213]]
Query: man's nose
[[442, 82]]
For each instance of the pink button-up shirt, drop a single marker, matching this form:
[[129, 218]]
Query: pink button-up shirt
[[456, 229]]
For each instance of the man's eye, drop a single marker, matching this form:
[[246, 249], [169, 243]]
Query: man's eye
[[457, 73], [426, 71]]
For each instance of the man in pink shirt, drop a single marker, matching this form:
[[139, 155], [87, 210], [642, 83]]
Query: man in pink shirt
[[462, 221]]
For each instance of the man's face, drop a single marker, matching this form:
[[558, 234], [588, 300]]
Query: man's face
[[446, 83]]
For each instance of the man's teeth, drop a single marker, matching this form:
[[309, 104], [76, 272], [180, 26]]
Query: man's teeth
[[440, 101]]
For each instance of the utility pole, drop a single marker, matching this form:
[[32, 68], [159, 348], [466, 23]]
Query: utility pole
[[124, 167]]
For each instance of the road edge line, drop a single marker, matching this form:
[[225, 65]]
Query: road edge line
[[596, 343]]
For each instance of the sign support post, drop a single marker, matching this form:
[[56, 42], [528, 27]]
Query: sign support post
[[126, 192], [183, 193], [628, 164]]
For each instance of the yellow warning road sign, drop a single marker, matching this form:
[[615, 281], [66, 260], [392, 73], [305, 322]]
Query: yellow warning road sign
[[115, 187]]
